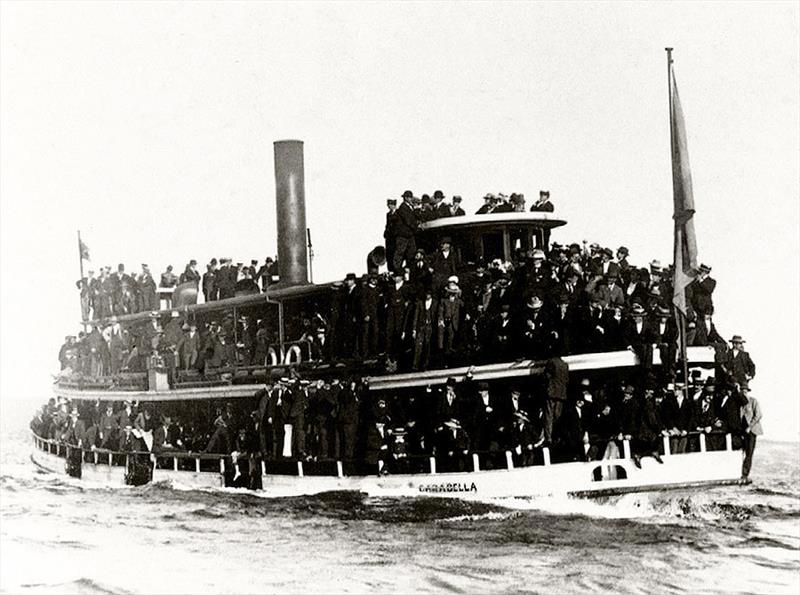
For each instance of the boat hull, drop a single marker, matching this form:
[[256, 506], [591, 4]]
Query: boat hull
[[581, 479]]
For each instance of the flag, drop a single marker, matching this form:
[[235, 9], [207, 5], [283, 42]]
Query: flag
[[83, 249], [685, 244]]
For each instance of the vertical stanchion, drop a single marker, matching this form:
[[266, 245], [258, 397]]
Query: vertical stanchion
[[702, 442], [339, 469], [476, 463], [546, 455], [432, 462], [728, 442], [667, 451], [626, 449], [299, 468], [509, 460]]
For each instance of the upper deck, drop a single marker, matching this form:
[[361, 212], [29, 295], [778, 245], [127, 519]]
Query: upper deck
[[483, 238], [533, 219]]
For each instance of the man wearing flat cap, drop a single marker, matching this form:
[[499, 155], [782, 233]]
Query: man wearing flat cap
[[405, 227]]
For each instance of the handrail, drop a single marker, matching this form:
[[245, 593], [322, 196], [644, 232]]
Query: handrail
[[470, 458]]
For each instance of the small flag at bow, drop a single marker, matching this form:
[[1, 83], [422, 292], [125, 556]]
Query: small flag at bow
[[84, 250]]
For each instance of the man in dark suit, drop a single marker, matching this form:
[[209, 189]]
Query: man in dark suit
[[487, 206], [190, 274], [450, 405], [441, 208], [543, 204], [348, 319], [398, 301], [208, 281], [700, 291], [347, 418], [638, 336], [443, 265], [423, 326], [455, 209], [484, 414], [405, 231], [705, 333], [573, 430], [369, 297], [664, 333], [389, 231], [736, 363], [678, 417], [161, 436]]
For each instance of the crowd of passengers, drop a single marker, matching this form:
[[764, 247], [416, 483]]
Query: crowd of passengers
[[297, 419], [118, 293], [421, 308]]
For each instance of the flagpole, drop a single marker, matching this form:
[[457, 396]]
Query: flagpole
[[679, 316], [80, 260]]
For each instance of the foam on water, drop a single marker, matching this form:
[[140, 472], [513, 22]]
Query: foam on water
[[60, 534]]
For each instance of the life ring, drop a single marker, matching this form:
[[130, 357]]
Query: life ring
[[293, 355], [272, 357]]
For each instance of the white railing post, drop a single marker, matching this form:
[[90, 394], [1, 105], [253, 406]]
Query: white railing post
[[728, 442], [299, 468], [222, 466], [667, 451], [546, 455], [509, 460], [110, 460], [702, 442], [476, 462], [95, 457], [174, 463], [626, 449], [380, 466], [432, 462], [339, 469], [263, 468], [197, 465]]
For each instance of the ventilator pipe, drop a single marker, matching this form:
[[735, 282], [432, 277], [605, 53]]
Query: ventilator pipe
[[290, 204]]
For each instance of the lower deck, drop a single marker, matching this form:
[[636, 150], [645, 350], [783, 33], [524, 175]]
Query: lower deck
[[604, 477]]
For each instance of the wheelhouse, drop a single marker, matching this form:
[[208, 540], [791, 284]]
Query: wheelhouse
[[484, 238]]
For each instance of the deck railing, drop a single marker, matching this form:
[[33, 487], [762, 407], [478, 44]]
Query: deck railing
[[461, 462]]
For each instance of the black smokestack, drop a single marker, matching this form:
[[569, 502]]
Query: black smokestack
[[290, 202]]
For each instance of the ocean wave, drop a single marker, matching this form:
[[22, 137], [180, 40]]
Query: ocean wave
[[81, 585]]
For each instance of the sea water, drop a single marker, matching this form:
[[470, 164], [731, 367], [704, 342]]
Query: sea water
[[61, 535]]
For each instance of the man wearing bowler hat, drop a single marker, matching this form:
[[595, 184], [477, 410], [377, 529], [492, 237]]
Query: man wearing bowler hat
[[455, 209], [405, 228], [443, 265]]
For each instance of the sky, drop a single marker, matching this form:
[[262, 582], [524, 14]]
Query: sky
[[149, 127]]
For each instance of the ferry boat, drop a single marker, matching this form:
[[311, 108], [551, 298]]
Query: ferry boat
[[480, 475]]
